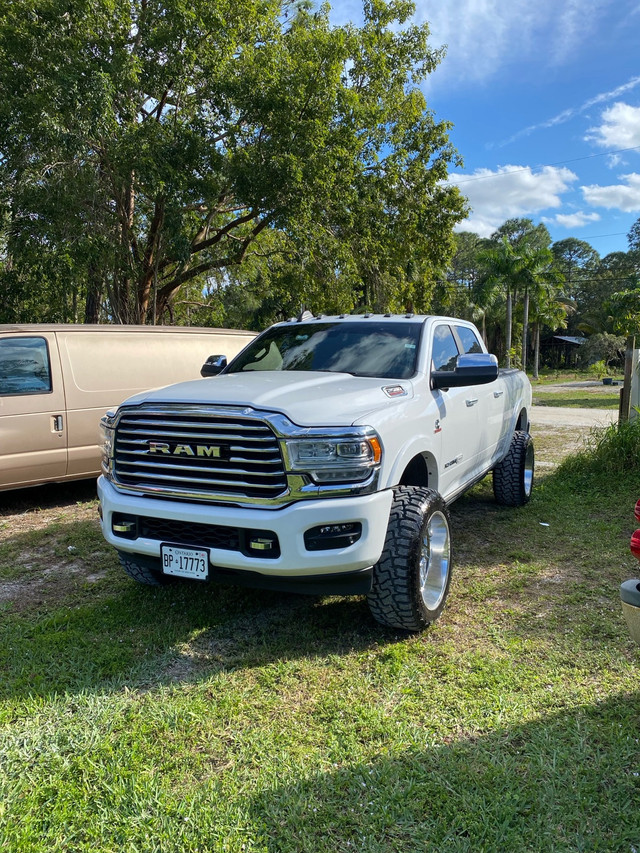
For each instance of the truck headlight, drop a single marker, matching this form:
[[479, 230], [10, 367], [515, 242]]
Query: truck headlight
[[107, 424], [335, 459]]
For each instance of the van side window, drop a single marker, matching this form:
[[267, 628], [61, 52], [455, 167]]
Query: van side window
[[445, 350], [468, 339], [24, 366]]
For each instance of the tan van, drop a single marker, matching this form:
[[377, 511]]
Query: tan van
[[56, 382]]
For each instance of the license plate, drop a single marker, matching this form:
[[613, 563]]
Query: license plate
[[185, 562]]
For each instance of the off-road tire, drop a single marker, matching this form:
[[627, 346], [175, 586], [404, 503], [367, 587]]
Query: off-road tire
[[144, 570], [411, 578], [513, 476]]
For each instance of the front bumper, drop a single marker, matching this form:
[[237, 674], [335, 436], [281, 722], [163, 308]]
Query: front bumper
[[288, 524]]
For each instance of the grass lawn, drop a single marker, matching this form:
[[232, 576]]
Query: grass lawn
[[560, 377], [196, 718], [584, 399]]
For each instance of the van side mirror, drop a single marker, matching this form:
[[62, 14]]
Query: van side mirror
[[213, 365], [471, 369]]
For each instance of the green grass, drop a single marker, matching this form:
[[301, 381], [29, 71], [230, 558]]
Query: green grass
[[579, 399], [196, 718], [553, 377]]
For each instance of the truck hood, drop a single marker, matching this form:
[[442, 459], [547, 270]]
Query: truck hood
[[306, 398]]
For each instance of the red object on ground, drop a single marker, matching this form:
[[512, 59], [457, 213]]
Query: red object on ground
[[635, 544]]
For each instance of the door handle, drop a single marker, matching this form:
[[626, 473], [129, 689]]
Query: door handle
[[58, 423], [497, 394], [471, 402]]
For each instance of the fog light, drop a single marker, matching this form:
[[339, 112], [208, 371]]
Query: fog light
[[328, 537], [125, 526], [261, 544]]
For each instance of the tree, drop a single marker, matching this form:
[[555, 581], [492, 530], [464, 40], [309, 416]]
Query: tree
[[633, 237], [455, 293], [522, 231], [602, 347], [156, 143], [577, 260], [500, 269]]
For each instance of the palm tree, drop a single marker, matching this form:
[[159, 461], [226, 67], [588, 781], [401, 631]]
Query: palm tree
[[538, 277], [547, 310], [501, 272]]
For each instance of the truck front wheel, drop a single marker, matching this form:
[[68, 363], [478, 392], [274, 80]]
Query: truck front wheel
[[145, 570], [411, 578], [513, 476]]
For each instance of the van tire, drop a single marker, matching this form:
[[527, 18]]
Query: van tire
[[513, 476], [411, 579], [144, 570]]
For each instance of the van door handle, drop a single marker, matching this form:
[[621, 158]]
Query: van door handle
[[497, 394], [471, 402], [58, 423]]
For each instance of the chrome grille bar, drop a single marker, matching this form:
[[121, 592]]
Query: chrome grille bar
[[197, 452]]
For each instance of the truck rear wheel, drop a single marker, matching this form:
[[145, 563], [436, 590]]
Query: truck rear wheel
[[411, 578], [144, 570], [513, 477]]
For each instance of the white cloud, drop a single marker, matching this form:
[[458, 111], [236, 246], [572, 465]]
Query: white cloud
[[615, 160], [484, 35], [624, 196], [508, 192], [572, 220], [620, 127], [571, 112]]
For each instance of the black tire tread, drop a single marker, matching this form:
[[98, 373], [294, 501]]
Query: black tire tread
[[144, 570], [393, 597], [508, 475]]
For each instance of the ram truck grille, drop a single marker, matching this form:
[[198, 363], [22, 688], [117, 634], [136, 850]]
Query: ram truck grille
[[197, 454]]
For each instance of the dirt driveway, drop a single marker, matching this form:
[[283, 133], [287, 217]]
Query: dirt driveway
[[556, 416]]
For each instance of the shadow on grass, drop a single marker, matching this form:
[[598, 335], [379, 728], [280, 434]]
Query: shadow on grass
[[75, 622], [48, 496], [88, 627], [563, 783]]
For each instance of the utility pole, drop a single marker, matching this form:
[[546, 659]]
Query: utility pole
[[625, 393]]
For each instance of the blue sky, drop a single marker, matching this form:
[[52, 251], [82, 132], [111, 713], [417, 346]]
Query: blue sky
[[544, 96]]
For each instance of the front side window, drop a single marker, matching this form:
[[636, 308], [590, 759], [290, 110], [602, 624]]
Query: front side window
[[24, 366], [361, 348], [445, 349]]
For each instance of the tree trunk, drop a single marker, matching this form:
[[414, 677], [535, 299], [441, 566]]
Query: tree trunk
[[525, 327], [94, 294], [150, 260], [123, 309], [536, 351]]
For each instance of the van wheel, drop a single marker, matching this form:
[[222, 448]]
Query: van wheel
[[411, 578], [144, 570], [513, 476]]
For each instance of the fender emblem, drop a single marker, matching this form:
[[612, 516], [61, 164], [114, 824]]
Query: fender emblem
[[395, 390]]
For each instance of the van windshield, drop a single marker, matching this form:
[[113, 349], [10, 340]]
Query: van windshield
[[362, 348]]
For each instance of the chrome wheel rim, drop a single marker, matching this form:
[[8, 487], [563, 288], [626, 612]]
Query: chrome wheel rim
[[528, 469], [435, 559]]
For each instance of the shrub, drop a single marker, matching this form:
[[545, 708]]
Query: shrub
[[609, 450]]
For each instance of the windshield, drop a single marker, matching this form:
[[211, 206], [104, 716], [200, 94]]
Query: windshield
[[362, 348]]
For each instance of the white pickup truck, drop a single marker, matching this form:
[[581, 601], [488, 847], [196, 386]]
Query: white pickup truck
[[321, 459]]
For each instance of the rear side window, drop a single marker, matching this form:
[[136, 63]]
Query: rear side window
[[468, 339], [24, 366]]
